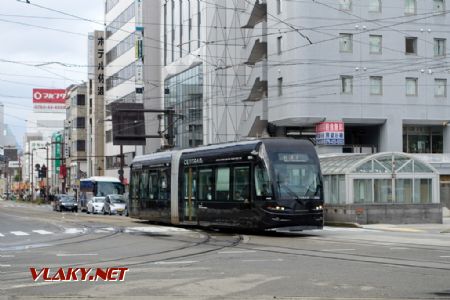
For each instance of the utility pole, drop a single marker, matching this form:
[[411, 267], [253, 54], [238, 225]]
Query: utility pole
[[122, 163], [32, 176], [47, 188]]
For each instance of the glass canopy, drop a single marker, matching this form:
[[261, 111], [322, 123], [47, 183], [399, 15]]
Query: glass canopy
[[380, 163]]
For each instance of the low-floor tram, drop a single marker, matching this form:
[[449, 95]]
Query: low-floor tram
[[266, 184]]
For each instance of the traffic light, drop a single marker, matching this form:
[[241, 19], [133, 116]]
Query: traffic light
[[43, 172]]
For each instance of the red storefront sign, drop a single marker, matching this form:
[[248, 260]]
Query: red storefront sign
[[49, 96]]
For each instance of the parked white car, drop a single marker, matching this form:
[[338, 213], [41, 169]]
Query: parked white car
[[114, 204], [96, 205]]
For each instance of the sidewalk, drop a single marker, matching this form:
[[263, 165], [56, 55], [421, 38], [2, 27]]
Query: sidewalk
[[418, 228]]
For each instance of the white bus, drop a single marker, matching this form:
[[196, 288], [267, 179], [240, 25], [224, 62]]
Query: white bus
[[98, 187]]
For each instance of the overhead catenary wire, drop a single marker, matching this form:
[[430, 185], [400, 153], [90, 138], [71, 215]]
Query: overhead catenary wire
[[404, 64]]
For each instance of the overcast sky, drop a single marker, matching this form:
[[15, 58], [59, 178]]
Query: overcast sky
[[33, 35]]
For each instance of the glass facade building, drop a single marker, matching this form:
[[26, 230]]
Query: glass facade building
[[184, 93]]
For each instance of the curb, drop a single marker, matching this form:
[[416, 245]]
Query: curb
[[343, 224]]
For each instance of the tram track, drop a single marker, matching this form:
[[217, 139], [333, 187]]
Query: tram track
[[348, 256], [205, 241]]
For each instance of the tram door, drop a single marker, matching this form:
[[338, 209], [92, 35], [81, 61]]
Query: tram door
[[189, 205], [228, 201]]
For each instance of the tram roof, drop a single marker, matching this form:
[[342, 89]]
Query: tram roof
[[241, 146]]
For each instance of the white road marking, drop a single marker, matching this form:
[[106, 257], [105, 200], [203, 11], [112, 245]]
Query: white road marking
[[19, 233], [44, 232], [7, 256], [101, 231], [5, 266], [237, 252], [155, 229], [175, 262], [74, 230], [108, 228], [445, 256], [1, 235], [331, 250], [262, 260], [76, 254], [398, 248]]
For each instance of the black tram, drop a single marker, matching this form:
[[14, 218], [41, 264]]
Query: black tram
[[267, 184]]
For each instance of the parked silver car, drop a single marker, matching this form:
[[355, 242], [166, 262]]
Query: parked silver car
[[114, 204], [96, 205]]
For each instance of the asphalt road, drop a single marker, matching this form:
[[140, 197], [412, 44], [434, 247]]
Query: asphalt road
[[164, 262]]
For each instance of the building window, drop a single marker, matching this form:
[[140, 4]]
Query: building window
[[410, 7], [345, 42], [184, 94], [279, 6], [439, 47], [110, 4], [423, 139], [199, 23], [280, 86], [376, 85], [375, 44], [411, 86], [279, 45], [181, 27], [438, 6], [375, 6], [81, 100], [411, 45], [345, 4], [108, 136], [189, 26], [173, 29], [81, 145], [346, 84], [440, 87], [120, 77], [124, 46], [120, 21], [80, 122], [165, 34]]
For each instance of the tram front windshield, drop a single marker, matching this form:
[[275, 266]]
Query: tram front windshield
[[296, 176]]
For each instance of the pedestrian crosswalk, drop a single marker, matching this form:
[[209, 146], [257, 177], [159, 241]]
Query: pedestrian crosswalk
[[45, 232], [97, 230]]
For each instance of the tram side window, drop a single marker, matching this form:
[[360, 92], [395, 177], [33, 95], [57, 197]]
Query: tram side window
[[190, 180], [262, 182], [223, 184], [241, 183], [135, 184], [153, 185], [205, 184], [143, 185], [164, 184]]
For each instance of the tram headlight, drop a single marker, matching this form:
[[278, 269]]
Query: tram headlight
[[319, 207], [276, 208]]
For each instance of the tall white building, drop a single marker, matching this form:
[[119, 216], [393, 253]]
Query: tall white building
[[132, 71]]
